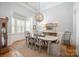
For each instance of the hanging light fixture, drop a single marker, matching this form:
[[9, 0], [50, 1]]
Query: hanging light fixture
[[39, 15]]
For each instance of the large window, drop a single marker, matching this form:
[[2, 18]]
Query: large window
[[17, 25], [28, 25], [21, 25]]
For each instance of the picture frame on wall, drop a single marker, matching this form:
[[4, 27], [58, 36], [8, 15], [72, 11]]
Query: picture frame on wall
[[49, 26]]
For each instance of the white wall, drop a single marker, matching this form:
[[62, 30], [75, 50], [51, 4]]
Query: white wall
[[5, 10], [63, 14], [8, 9], [76, 24]]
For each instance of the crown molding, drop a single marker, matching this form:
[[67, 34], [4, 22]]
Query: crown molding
[[34, 10], [44, 9], [26, 6]]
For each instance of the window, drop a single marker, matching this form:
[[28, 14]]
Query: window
[[13, 25], [20, 25], [28, 25], [17, 25]]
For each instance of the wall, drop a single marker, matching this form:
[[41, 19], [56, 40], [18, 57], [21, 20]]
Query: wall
[[5, 10], [17, 8], [76, 24], [63, 15], [8, 9]]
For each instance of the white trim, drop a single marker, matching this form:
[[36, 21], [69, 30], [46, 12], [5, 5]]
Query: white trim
[[26, 6], [35, 10], [51, 6]]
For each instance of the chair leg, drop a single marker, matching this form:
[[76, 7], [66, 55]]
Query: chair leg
[[39, 48], [35, 46], [31, 45], [28, 44]]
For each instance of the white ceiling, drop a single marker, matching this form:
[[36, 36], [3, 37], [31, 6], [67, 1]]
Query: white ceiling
[[41, 6]]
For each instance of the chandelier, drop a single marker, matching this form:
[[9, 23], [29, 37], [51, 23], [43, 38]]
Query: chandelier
[[39, 17]]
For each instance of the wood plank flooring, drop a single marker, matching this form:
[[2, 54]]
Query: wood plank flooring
[[20, 49]]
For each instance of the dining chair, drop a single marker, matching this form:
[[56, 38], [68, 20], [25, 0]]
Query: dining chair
[[39, 43], [29, 39], [27, 35], [34, 40], [65, 42], [66, 38], [56, 46]]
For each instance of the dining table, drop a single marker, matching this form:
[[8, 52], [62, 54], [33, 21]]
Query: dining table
[[49, 39]]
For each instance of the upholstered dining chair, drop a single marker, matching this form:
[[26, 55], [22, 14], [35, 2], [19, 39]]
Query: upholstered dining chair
[[29, 39], [66, 37], [27, 35], [56, 46], [39, 43]]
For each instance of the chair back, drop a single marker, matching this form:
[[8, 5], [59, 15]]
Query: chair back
[[66, 37]]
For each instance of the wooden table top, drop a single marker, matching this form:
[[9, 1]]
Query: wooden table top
[[49, 38]]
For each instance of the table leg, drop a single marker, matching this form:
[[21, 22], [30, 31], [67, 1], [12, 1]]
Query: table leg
[[48, 50]]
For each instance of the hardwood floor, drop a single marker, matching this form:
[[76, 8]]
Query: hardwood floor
[[68, 50], [20, 49]]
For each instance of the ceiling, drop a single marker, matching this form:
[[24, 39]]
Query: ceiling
[[41, 6]]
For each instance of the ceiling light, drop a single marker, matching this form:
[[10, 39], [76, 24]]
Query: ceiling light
[[39, 17]]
